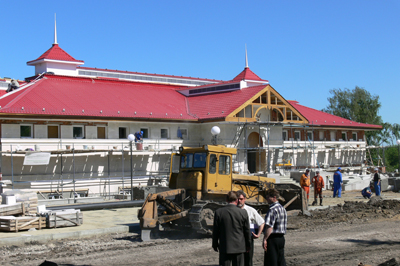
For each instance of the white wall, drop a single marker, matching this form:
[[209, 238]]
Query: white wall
[[10, 131], [66, 132], [59, 68], [91, 132], [40, 131]]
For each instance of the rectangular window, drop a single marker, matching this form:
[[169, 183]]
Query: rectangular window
[[164, 133], [26, 131], [187, 160], [122, 133], [354, 136], [77, 132], [182, 133], [200, 160], [344, 136], [145, 133], [213, 164], [297, 135], [175, 163], [224, 166], [284, 135], [310, 136], [321, 135], [333, 135]]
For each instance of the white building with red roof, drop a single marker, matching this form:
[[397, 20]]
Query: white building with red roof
[[94, 110]]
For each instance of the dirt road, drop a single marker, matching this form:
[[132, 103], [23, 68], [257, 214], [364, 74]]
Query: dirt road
[[354, 232]]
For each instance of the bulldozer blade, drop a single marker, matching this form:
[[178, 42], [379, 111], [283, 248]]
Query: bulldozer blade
[[146, 235]]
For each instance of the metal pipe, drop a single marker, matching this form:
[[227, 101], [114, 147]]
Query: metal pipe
[[123, 181], [108, 172], [131, 172], [12, 168], [73, 166], [62, 179], [99, 206]]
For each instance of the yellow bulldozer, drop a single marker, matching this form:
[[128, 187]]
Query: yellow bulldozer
[[199, 180]]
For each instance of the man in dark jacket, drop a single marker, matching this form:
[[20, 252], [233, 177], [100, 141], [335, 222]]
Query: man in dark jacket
[[231, 232]]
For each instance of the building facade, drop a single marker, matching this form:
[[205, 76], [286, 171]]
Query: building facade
[[83, 116]]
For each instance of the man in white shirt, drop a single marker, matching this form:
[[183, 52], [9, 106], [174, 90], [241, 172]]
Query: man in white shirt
[[256, 225]]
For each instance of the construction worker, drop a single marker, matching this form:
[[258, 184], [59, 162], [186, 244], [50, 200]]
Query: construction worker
[[366, 192], [337, 183], [377, 182], [305, 183], [318, 183], [13, 85]]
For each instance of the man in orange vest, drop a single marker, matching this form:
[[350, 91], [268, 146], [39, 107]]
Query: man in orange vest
[[305, 183], [318, 182]]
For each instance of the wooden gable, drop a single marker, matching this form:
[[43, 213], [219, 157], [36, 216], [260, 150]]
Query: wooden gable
[[267, 106]]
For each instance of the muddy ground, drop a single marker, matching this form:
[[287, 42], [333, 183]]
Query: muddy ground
[[350, 232]]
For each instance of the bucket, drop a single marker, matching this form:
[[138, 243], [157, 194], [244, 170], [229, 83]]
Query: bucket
[[139, 146]]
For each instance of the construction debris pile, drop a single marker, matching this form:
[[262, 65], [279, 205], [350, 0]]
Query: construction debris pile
[[351, 212], [20, 211]]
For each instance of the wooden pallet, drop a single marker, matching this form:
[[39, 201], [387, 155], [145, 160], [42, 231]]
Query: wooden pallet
[[57, 219], [15, 224]]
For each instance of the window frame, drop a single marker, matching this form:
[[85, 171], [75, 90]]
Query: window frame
[[185, 136], [146, 131], [354, 134], [344, 136], [161, 134], [294, 135], [119, 133], [83, 131], [286, 135], [31, 131], [312, 136]]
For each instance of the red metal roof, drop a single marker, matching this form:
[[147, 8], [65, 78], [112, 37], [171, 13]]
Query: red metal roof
[[77, 96], [104, 98], [247, 74], [56, 53], [212, 106], [319, 118]]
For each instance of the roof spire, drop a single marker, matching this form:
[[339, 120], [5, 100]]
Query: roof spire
[[55, 29], [247, 63]]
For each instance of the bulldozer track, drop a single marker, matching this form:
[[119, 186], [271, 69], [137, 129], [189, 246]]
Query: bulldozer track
[[201, 216]]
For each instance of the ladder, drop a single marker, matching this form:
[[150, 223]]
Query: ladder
[[167, 165], [236, 138]]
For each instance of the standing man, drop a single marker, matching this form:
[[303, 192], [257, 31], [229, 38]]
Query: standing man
[[274, 236], [231, 232], [377, 182], [305, 183], [318, 182], [337, 183], [256, 225]]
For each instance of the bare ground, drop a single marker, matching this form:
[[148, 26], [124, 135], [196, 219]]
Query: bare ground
[[352, 232]]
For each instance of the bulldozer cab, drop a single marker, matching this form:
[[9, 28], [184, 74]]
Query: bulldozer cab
[[205, 172]]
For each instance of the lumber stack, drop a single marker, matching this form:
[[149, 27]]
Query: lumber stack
[[29, 201], [13, 209], [63, 218], [15, 224], [32, 204]]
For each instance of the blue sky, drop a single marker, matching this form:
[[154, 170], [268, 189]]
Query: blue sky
[[304, 48]]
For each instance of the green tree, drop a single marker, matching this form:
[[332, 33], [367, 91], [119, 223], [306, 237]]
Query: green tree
[[356, 105]]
